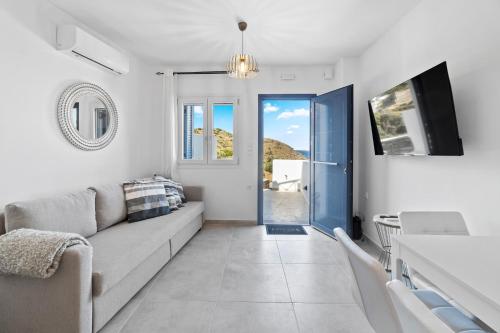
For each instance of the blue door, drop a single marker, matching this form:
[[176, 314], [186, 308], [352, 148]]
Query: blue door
[[331, 161]]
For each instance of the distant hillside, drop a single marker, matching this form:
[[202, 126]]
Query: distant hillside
[[273, 149], [277, 150], [224, 142]]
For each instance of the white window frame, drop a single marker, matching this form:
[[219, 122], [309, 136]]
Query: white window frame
[[208, 103]]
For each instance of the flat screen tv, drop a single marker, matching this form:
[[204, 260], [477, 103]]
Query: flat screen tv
[[416, 117]]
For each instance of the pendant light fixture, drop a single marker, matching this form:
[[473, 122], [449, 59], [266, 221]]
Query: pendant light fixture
[[242, 66]]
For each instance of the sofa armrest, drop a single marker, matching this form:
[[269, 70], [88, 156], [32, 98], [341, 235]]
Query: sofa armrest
[[193, 193], [61, 303]]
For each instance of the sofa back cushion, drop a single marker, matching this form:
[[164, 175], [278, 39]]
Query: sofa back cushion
[[110, 205], [72, 212]]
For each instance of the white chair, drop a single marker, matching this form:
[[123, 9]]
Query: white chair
[[431, 223], [414, 316], [370, 279]]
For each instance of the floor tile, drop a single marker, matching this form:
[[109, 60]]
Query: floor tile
[[318, 283], [310, 252], [254, 283], [245, 317], [212, 231], [254, 251], [205, 250], [285, 207], [251, 232], [312, 235], [119, 320], [327, 318], [230, 279], [186, 280], [171, 316]]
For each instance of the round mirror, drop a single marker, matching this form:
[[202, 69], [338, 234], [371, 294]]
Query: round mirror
[[87, 116]]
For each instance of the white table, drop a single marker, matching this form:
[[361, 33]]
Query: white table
[[466, 268]]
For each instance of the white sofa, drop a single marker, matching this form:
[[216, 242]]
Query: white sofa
[[93, 283]]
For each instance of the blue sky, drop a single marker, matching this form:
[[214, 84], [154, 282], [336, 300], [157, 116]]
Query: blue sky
[[288, 122], [198, 117], [223, 117]]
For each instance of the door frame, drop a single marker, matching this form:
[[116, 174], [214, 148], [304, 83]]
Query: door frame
[[260, 149]]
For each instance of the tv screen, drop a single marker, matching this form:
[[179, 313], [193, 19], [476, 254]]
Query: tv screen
[[416, 117]]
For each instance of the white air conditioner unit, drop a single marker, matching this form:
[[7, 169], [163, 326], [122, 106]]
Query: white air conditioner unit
[[77, 42]]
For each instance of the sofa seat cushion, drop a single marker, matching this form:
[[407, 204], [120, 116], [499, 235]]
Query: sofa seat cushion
[[121, 248]]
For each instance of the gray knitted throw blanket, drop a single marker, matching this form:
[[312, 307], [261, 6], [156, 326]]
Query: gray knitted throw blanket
[[35, 253]]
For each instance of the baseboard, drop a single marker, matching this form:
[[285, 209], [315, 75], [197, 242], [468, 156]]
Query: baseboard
[[235, 222]]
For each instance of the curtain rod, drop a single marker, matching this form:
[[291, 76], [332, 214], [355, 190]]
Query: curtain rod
[[195, 73]]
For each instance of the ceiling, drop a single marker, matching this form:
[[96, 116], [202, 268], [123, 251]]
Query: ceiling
[[280, 32]]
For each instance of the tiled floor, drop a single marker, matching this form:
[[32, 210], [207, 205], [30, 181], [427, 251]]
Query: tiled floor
[[285, 207], [239, 279]]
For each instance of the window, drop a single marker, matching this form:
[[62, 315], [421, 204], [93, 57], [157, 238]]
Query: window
[[193, 129], [222, 131], [207, 131]]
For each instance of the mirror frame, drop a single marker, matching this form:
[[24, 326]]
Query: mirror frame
[[66, 102]]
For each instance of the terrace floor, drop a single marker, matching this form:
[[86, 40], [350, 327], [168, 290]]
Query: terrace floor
[[285, 208]]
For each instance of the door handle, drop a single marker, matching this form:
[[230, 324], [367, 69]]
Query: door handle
[[326, 163]]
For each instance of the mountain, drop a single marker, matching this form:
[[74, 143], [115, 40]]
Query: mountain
[[277, 150], [224, 142], [273, 149]]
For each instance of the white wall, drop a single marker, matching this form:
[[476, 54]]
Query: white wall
[[465, 34], [288, 174], [231, 192], [35, 158]]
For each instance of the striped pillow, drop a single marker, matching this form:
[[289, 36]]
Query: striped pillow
[[170, 184], [174, 200], [145, 200], [173, 197]]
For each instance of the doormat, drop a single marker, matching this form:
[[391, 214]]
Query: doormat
[[285, 229]]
